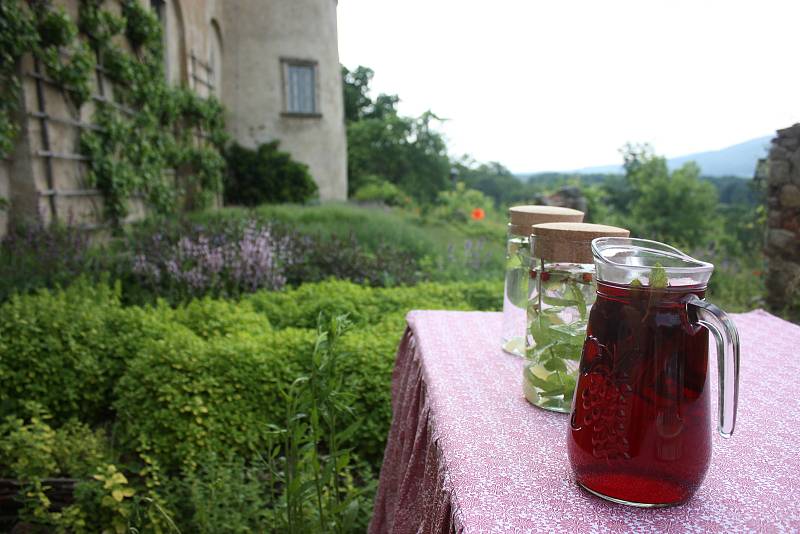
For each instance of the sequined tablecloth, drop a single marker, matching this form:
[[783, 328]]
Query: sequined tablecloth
[[467, 453]]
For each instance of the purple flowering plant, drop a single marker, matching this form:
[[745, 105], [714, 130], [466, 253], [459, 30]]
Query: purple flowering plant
[[197, 260]]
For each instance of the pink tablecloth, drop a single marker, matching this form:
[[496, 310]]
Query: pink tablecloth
[[467, 453]]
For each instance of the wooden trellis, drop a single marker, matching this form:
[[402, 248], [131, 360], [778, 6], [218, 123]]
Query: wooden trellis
[[198, 80], [42, 115], [55, 191]]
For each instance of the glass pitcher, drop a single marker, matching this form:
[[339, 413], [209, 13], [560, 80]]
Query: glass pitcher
[[640, 423]]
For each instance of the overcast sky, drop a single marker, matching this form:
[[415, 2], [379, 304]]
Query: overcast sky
[[562, 84]]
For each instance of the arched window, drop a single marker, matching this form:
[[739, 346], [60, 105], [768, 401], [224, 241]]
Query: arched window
[[171, 17], [215, 59]]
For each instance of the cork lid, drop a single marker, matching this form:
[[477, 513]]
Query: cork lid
[[522, 218], [570, 241]]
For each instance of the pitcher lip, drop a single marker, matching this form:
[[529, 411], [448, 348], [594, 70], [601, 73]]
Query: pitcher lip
[[602, 243]]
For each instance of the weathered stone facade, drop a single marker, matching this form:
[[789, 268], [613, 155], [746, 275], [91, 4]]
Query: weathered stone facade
[[783, 223], [260, 39], [4, 194], [237, 50]]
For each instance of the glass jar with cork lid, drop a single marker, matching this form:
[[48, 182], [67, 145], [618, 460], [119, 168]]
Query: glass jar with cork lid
[[515, 295], [561, 293]]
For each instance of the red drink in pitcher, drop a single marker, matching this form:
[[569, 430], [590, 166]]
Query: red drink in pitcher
[[640, 427]]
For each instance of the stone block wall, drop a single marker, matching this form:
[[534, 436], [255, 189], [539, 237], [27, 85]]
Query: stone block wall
[[234, 49], [783, 223], [5, 192]]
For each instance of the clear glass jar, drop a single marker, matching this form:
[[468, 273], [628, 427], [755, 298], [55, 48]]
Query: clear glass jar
[[560, 297], [562, 291], [515, 293], [518, 260]]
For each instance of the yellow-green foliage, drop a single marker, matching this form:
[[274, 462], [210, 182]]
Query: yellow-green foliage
[[176, 386], [300, 307], [31, 448], [65, 349], [210, 318], [186, 396]]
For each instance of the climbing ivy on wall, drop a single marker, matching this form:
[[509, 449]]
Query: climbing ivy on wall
[[52, 38], [151, 128]]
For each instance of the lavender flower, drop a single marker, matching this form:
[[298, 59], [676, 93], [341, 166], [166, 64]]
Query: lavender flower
[[225, 262]]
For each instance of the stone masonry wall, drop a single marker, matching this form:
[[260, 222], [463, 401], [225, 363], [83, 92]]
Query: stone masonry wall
[[783, 224], [231, 48], [5, 165]]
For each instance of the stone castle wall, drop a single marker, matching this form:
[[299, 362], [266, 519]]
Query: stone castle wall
[[4, 194], [783, 223], [261, 36], [45, 176], [232, 49]]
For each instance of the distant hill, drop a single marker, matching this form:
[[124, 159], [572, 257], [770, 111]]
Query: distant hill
[[737, 160]]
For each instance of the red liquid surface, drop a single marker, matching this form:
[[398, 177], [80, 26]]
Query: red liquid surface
[[640, 427]]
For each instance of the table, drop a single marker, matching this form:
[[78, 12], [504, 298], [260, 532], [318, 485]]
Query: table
[[467, 453]]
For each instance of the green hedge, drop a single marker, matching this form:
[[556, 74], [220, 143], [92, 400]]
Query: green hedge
[[301, 306], [187, 397], [66, 349], [210, 318], [171, 387]]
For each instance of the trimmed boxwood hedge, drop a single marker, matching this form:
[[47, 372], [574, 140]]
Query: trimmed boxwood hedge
[[365, 305], [172, 386], [66, 349], [155, 370], [187, 397]]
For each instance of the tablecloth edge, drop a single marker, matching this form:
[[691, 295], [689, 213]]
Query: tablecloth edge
[[411, 318]]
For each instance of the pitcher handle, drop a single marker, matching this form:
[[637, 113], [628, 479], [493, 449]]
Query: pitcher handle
[[717, 322]]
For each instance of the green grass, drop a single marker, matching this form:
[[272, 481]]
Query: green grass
[[371, 226], [448, 251]]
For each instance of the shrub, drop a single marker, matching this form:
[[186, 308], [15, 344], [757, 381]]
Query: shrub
[[368, 352], [186, 397], [210, 381], [318, 258], [301, 306], [236, 251], [30, 448], [65, 349], [458, 205], [379, 190], [32, 451], [209, 318], [265, 175], [35, 256], [180, 260], [54, 350]]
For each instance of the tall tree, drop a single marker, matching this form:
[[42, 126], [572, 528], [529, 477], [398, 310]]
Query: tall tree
[[492, 179], [382, 145], [675, 207], [356, 92]]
